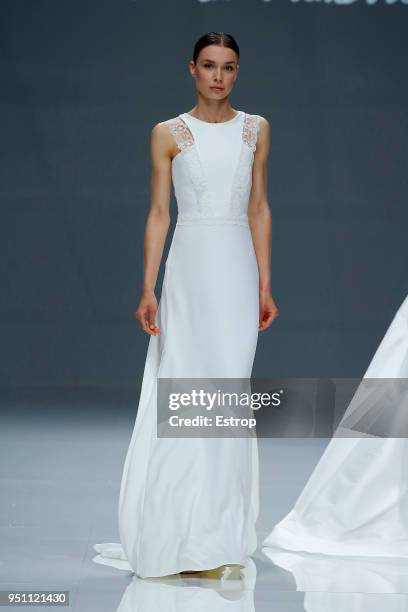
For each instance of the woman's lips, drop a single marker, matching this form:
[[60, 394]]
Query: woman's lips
[[217, 88]]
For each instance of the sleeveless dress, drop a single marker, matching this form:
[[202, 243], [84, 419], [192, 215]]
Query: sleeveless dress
[[192, 503], [355, 502]]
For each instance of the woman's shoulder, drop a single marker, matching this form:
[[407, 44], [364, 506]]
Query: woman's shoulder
[[256, 125], [256, 130], [257, 118], [171, 126], [173, 131], [171, 121]]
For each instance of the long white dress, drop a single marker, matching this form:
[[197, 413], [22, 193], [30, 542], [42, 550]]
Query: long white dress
[[356, 500], [192, 503]]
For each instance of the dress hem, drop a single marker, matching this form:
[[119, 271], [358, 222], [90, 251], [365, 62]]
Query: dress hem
[[280, 537], [124, 565]]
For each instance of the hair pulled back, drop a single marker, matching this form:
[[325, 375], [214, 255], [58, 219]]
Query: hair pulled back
[[221, 39]]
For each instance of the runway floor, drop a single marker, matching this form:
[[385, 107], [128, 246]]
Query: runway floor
[[61, 458]]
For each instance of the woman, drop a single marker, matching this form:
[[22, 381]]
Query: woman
[[191, 504]]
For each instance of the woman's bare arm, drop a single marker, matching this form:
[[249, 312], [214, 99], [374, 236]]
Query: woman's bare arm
[[162, 151], [260, 221]]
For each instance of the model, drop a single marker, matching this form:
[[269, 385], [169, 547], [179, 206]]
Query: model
[[191, 504]]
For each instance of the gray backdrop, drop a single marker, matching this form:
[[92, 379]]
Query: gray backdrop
[[83, 83]]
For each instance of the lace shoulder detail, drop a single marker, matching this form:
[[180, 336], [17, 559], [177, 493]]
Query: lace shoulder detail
[[250, 130], [180, 132]]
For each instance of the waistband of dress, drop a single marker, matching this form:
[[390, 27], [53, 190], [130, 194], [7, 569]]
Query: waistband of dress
[[212, 220]]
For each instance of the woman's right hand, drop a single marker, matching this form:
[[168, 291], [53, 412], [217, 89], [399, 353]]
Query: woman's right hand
[[146, 312]]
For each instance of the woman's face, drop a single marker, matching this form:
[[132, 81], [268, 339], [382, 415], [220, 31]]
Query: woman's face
[[215, 71]]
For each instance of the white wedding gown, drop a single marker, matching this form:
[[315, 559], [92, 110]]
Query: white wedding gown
[[192, 503], [356, 500]]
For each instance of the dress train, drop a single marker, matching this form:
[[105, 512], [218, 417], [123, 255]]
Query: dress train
[[356, 500]]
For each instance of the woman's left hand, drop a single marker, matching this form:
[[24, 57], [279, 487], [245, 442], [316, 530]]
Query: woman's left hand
[[268, 310]]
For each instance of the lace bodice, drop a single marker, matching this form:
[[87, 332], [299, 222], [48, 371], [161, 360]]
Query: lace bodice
[[212, 173]]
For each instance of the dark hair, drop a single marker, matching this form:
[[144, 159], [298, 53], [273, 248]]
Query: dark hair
[[215, 38]]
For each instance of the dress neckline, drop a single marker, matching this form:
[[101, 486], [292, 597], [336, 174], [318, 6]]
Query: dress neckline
[[239, 114]]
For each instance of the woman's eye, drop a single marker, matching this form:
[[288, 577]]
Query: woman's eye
[[211, 66]]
